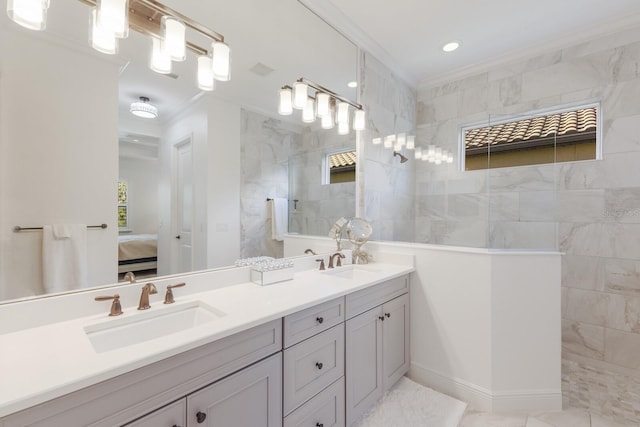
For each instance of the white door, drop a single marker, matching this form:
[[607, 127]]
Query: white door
[[184, 214]]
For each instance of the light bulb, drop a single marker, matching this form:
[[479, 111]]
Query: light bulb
[[285, 108], [100, 39], [376, 141], [221, 61], [205, 73], [418, 152], [309, 111], [31, 14], [160, 58], [113, 16], [173, 32], [299, 95], [411, 142], [359, 120], [343, 113], [323, 108]]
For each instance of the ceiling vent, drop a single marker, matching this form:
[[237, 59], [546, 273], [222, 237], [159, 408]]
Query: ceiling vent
[[261, 69]]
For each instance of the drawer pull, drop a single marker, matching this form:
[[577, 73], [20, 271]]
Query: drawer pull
[[176, 425], [200, 417], [388, 315], [320, 320], [319, 425], [381, 318], [319, 365]]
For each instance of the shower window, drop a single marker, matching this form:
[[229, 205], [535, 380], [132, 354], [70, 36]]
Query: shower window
[[562, 135], [339, 167]]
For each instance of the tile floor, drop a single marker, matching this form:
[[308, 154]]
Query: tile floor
[[566, 418]]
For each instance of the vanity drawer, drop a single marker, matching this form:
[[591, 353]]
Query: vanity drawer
[[307, 323], [366, 299], [312, 365], [326, 409]]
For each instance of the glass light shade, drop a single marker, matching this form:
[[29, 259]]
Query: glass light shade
[[411, 142], [343, 128], [113, 16], [285, 107], [402, 139], [425, 158], [175, 41], [221, 61], [322, 100], [309, 111], [450, 158], [376, 141], [431, 150], [160, 58], [343, 113], [388, 141], [418, 153], [438, 154], [327, 121], [299, 95], [438, 161], [31, 14], [397, 146], [359, 120], [100, 39], [205, 73], [143, 109]]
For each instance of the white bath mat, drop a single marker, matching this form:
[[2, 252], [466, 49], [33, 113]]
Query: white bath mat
[[409, 404]]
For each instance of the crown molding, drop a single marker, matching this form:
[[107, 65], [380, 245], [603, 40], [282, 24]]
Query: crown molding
[[334, 17], [576, 37]]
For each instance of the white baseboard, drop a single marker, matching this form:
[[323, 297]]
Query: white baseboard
[[486, 400]]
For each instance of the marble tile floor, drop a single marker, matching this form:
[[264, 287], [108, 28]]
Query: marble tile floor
[[566, 418]]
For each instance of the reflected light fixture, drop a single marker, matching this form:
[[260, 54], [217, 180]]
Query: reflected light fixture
[[451, 46], [328, 105], [111, 20], [31, 14], [411, 142], [352, 85], [143, 109]]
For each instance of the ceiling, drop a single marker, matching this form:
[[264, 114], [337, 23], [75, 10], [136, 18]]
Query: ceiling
[[408, 34]]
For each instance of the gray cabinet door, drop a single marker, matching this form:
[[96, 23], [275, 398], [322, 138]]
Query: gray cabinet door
[[172, 415], [363, 362], [395, 340], [249, 398]]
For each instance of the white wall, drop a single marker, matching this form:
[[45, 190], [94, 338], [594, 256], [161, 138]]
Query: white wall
[[141, 176], [485, 325], [58, 105]]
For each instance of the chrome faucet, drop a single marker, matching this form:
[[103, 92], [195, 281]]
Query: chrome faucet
[[148, 289], [130, 277], [339, 262]]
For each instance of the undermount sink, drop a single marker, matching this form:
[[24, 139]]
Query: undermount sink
[[113, 334], [352, 271]]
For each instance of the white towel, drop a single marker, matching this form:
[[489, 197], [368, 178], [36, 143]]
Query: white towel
[[64, 257], [279, 218]]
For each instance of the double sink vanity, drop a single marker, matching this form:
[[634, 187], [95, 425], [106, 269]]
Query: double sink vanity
[[318, 350]]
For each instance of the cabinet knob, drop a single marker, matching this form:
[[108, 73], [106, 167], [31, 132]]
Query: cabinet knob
[[320, 320], [319, 425], [200, 417], [319, 365], [381, 318], [388, 314]]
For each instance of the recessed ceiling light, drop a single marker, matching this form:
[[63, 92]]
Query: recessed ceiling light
[[352, 84], [451, 46]]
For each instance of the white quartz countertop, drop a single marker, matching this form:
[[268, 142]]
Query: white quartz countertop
[[45, 362]]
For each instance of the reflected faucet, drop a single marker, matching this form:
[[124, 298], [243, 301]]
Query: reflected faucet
[[339, 262], [148, 289], [309, 251], [130, 277]]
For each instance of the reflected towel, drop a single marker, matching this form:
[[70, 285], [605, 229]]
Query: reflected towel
[[64, 257], [279, 218]]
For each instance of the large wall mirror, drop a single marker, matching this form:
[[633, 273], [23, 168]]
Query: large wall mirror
[[71, 153]]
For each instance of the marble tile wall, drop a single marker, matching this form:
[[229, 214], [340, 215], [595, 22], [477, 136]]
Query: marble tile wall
[[386, 185], [590, 210]]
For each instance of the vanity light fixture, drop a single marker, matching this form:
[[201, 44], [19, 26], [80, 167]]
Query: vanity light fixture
[[206, 80], [31, 14], [111, 20], [329, 106], [143, 109], [451, 46]]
